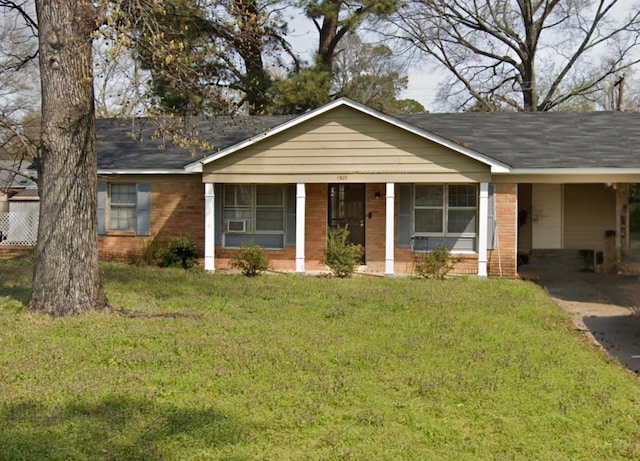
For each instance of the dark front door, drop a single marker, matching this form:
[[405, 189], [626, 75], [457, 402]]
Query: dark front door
[[346, 208]]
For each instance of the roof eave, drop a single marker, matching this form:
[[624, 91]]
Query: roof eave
[[143, 171], [571, 171]]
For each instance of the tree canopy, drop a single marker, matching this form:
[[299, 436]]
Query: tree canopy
[[525, 55]]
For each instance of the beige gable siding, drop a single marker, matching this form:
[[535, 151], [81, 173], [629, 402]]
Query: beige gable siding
[[344, 145], [589, 212]]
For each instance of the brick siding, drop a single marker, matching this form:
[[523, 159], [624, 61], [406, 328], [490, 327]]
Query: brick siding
[[504, 261], [178, 209]]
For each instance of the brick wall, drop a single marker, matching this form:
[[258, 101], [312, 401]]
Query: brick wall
[[505, 260], [375, 227], [317, 213], [176, 209]]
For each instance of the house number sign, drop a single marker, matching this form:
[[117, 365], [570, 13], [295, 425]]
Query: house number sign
[[343, 177]]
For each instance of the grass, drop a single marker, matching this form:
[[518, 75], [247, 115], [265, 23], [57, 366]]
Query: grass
[[299, 368]]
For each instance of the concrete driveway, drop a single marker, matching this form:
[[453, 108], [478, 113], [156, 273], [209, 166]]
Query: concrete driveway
[[602, 306]]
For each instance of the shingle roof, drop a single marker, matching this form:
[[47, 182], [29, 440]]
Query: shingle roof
[[139, 145], [543, 139], [520, 140], [26, 194]]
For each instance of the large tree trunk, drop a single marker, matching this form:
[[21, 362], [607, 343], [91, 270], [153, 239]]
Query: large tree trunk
[[66, 278]]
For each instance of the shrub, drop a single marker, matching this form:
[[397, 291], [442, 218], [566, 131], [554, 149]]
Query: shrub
[[436, 264], [341, 256], [178, 252], [251, 259]]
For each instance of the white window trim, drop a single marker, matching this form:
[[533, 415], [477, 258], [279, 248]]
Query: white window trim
[[253, 207], [445, 218]]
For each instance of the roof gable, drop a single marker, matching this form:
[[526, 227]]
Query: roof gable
[[495, 165], [344, 145]]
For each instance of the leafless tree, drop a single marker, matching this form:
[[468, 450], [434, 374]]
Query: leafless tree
[[19, 93], [369, 74], [120, 83], [524, 55]]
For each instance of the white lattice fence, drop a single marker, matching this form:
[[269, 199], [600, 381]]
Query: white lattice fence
[[18, 228]]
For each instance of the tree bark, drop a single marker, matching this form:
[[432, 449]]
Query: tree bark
[[66, 276]]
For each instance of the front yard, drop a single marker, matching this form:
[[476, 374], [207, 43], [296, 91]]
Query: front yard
[[283, 367]]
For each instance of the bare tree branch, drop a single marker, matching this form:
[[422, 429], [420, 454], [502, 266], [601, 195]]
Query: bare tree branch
[[495, 49]]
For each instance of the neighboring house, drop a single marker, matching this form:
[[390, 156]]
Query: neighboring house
[[489, 186], [19, 205]]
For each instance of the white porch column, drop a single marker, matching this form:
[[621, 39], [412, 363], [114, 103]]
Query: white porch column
[[301, 198], [389, 257], [209, 227], [483, 217]]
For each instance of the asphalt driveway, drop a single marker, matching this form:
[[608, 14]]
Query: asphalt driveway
[[602, 306]]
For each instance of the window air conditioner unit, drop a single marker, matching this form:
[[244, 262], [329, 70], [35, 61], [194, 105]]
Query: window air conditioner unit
[[237, 225]]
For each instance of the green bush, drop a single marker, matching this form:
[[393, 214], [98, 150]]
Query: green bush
[[178, 252], [341, 256], [251, 259], [435, 264]]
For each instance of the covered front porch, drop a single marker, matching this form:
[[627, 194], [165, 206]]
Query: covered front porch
[[392, 221], [401, 190]]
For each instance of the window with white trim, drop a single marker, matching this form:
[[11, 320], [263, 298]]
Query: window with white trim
[[122, 207], [254, 212], [445, 213]]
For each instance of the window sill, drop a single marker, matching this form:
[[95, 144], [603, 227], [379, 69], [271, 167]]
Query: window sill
[[121, 233], [264, 248]]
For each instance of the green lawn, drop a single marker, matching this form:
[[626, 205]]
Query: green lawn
[[283, 367]]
